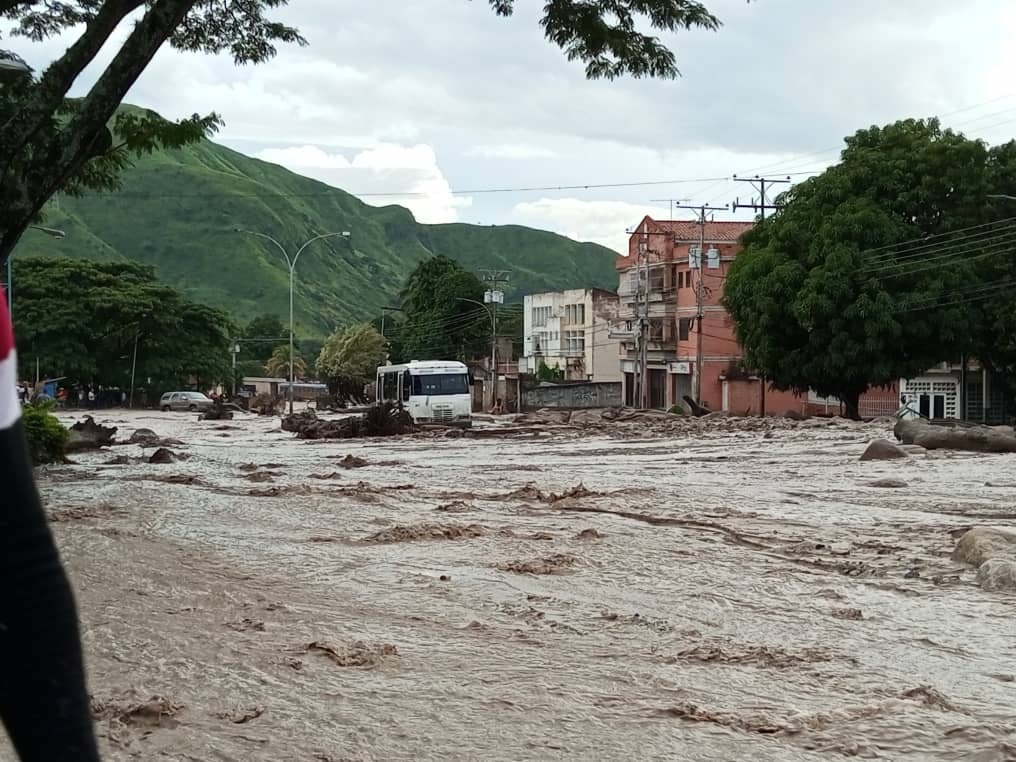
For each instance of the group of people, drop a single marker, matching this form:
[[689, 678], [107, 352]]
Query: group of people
[[88, 396]]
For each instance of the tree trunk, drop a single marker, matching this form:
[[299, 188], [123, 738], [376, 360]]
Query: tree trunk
[[851, 404], [41, 172]]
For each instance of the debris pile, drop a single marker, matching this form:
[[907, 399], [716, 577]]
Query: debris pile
[[89, 435], [400, 533], [358, 654], [379, 421]]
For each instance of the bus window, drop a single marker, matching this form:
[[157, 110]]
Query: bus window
[[435, 384], [391, 386], [407, 386]]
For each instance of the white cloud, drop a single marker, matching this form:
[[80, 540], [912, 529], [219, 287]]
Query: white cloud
[[603, 222], [511, 151], [409, 173]]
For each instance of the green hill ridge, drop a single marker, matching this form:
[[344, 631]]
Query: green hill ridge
[[179, 210]]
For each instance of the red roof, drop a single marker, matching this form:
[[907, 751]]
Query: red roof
[[690, 231]]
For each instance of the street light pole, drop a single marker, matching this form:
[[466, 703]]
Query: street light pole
[[291, 263], [492, 314], [52, 232]]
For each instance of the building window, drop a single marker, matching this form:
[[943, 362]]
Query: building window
[[574, 342], [656, 279], [575, 314], [683, 328], [540, 316]]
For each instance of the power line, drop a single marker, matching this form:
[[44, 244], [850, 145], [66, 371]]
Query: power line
[[893, 250], [962, 297]]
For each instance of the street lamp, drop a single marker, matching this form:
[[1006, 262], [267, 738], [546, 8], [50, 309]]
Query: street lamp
[[52, 232], [11, 64], [495, 298], [291, 262]]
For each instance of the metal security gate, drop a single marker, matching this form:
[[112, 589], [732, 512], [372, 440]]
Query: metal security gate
[[933, 398]]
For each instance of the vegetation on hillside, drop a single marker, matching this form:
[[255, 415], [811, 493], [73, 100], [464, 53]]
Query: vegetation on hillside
[[178, 211], [882, 266], [50, 143]]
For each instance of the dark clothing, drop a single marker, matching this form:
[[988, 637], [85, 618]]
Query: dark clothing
[[43, 702]]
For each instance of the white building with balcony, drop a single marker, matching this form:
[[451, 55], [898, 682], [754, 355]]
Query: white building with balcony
[[570, 331]]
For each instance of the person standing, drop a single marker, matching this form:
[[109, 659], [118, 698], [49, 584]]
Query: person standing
[[44, 703]]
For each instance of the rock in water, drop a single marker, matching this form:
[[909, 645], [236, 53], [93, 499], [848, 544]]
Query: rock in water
[[883, 449], [982, 543], [89, 435], [162, 455], [144, 437], [997, 574], [993, 552], [968, 438], [888, 483]]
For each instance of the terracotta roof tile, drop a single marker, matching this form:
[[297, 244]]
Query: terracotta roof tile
[[689, 230]]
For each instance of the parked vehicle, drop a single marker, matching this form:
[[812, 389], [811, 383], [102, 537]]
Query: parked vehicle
[[431, 391], [192, 401]]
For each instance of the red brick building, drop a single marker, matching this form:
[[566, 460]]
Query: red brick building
[[670, 267]]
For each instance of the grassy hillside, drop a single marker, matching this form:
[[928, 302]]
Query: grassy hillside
[[178, 211]]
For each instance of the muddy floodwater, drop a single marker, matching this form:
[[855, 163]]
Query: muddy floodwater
[[720, 594]]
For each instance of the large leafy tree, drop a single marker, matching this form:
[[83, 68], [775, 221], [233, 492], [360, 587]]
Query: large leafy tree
[[116, 307], [853, 281], [50, 143], [349, 359], [442, 314]]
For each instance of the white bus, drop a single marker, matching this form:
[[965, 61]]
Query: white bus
[[431, 391]]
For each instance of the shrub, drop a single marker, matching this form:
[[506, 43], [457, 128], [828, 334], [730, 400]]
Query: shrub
[[47, 437]]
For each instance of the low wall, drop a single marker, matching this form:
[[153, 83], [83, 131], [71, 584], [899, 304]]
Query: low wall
[[599, 394]]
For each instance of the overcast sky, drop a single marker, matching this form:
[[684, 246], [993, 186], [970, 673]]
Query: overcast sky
[[441, 98]]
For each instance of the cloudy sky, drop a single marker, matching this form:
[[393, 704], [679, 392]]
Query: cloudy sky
[[464, 116]]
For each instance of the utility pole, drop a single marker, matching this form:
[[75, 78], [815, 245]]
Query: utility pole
[[759, 184], [640, 397], [700, 212], [671, 201], [494, 296]]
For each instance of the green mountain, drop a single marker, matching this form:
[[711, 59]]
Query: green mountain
[[179, 210]]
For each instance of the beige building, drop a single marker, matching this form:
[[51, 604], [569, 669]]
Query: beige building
[[570, 330]]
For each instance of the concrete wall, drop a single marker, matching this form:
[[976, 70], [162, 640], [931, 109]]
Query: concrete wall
[[573, 396]]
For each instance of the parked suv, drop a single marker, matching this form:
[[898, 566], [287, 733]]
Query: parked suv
[[184, 401]]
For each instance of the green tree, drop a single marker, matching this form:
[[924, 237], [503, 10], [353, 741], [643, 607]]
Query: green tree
[[50, 143], [278, 364], [443, 317], [349, 359], [841, 289], [545, 373], [117, 308]]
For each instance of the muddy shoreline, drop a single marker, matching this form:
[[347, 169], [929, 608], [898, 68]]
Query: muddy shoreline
[[711, 595]]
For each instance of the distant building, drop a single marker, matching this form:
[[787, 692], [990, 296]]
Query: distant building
[[252, 385], [673, 266], [570, 330]]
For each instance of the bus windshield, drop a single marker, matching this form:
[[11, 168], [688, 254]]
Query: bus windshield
[[441, 383]]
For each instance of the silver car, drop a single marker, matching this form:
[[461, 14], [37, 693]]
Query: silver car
[[192, 401]]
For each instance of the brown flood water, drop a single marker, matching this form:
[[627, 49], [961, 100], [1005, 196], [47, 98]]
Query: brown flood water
[[711, 597]]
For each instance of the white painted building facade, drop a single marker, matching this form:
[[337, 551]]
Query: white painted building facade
[[570, 330]]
